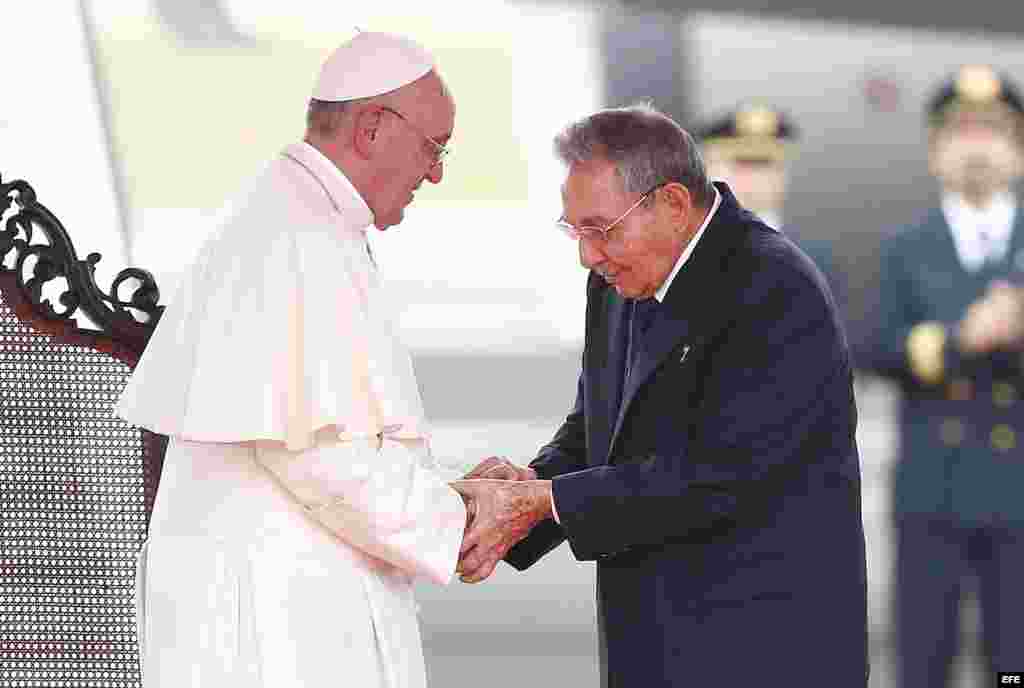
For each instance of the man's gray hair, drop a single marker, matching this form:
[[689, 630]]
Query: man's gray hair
[[647, 147], [324, 117]]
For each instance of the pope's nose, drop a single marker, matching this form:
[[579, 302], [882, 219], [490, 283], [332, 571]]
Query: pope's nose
[[435, 173]]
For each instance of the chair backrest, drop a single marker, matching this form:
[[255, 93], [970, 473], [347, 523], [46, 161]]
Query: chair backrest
[[76, 483]]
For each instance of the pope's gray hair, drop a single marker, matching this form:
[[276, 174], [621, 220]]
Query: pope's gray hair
[[325, 117], [647, 147]]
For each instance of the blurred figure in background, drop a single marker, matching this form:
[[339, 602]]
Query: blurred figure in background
[[750, 148], [950, 334]]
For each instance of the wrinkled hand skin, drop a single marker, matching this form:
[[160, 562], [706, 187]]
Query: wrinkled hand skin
[[507, 510], [500, 468], [470, 513]]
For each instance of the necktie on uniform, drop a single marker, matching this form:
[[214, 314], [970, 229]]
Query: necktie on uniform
[[990, 248]]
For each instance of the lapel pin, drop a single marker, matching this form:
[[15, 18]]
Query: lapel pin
[[686, 350]]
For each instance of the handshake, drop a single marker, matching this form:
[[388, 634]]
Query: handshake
[[503, 502]]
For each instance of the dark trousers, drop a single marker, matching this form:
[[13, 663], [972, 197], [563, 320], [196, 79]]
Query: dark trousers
[[936, 562]]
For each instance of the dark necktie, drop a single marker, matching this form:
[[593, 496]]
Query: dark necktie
[[641, 315], [369, 252]]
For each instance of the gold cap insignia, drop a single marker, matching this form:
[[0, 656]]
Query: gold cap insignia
[[1003, 437], [757, 121], [978, 84]]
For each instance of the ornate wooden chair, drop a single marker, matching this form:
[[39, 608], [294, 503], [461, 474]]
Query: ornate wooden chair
[[76, 483]]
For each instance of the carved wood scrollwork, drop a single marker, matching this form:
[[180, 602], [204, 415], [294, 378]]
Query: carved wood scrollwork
[[35, 250]]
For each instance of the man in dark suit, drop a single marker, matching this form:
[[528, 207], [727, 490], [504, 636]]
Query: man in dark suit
[[709, 465], [751, 148], [949, 335]]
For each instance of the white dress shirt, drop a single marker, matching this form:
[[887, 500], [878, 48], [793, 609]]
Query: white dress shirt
[[772, 219], [685, 255], [980, 234]]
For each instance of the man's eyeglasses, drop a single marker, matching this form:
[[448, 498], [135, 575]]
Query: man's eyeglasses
[[595, 232], [440, 151]]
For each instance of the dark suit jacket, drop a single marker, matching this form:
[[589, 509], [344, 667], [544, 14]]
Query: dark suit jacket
[[961, 440], [722, 503]]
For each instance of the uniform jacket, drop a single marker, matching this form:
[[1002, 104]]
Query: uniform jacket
[[960, 440]]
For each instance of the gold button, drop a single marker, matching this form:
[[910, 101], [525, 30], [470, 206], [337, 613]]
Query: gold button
[[952, 431], [960, 389], [1003, 395], [1003, 437]]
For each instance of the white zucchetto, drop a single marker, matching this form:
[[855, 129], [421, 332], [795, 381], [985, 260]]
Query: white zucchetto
[[371, 64]]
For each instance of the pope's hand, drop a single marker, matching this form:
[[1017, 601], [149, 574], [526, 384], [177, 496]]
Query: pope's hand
[[506, 511], [500, 468]]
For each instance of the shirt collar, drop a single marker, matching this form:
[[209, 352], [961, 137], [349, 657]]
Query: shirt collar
[[965, 220], [998, 215], [344, 196], [771, 218], [685, 255]]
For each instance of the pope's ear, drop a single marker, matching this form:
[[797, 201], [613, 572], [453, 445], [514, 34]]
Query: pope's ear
[[366, 134]]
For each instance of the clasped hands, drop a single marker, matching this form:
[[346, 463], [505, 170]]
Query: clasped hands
[[505, 502], [995, 321]]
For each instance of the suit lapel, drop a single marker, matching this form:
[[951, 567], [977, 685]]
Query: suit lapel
[[607, 370], [664, 334], [681, 317]]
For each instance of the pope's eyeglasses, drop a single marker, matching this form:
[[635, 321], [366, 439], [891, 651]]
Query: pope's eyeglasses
[[440, 151]]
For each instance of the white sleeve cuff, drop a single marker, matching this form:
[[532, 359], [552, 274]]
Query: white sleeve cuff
[[380, 500]]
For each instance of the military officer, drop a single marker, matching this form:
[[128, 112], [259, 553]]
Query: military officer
[[950, 335], [750, 148]]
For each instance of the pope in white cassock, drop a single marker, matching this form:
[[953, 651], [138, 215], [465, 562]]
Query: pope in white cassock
[[299, 500]]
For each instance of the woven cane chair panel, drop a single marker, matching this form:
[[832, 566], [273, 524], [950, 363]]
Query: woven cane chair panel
[[72, 514]]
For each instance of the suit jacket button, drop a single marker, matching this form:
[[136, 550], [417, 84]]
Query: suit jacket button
[[1003, 437], [952, 431], [1003, 394]]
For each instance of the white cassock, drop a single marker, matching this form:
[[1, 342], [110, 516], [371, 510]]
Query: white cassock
[[299, 499]]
